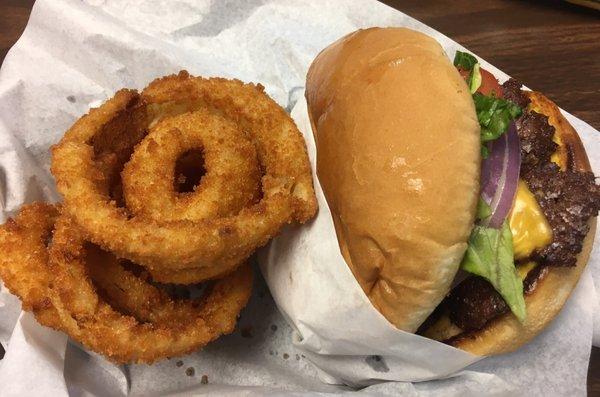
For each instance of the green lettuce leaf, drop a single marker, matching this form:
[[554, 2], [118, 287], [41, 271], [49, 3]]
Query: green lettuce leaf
[[494, 115], [490, 255], [464, 60], [483, 209], [474, 80]]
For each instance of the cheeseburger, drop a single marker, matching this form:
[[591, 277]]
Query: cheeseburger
[[464, 208]]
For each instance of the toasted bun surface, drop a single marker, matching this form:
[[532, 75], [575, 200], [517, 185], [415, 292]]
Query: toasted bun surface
[[506, 333], [398, 157]]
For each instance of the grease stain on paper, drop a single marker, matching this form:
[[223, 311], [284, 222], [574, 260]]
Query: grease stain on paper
[[377, 363]]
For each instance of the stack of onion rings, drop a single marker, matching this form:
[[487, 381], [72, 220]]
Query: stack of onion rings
[[91, 266], [184, 250], [139, 322]]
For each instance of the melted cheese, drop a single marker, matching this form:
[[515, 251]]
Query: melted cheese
[[528, 225], [525, 268]]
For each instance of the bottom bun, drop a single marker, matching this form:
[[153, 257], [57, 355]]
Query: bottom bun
[[505, 333]]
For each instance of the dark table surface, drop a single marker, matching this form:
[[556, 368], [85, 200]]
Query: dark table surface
[[551, 46]]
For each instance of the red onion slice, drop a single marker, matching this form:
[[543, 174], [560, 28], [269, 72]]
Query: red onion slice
[[500, 176]]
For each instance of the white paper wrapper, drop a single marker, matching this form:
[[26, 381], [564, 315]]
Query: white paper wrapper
[[75, 54], [337, 327]]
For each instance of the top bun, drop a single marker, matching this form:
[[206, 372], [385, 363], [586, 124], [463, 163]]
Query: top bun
[[398, 157]]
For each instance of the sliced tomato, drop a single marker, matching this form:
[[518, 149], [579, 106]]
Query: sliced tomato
[[489, 84]]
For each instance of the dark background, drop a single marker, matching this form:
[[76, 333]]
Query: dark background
[[551, 46]]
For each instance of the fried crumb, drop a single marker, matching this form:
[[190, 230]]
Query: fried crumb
[[286, 356], [190, 371], [204, 380], [179, 363]]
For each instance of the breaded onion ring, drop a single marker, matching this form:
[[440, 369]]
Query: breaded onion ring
[[132, 293], [187, 251], [166, 329], [232, 178], [24, 260]]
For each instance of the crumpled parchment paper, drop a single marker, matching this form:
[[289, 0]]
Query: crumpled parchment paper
[[76, 54]]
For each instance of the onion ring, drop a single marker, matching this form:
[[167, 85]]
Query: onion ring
[[186, 251], [231, 182], [24, 260], [122, 338]]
